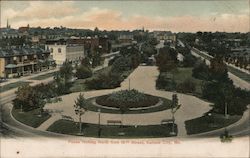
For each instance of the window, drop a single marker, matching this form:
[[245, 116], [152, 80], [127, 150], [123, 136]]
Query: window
[[59, 50]]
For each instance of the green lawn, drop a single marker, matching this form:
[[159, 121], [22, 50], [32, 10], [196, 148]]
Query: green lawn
[[166, 105], [78, 86], [206, 123], [42, 77], [183, 74], [12, 85], [30, 118], [111, 131]]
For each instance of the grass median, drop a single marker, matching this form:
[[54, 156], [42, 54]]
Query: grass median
[[209, 123], [30, 118], [112, 131]]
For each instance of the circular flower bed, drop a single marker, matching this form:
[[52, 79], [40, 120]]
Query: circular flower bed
[[129, 98]]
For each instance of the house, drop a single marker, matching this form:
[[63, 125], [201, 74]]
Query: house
[[167, 36], [16, 62], [62, 51], [125, 38]]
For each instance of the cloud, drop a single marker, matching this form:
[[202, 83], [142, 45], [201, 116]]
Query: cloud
[[39, 10], [64, 14]]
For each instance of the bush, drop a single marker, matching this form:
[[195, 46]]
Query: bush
[[83, 72], [188, 86], [121, 64], [106, 80]]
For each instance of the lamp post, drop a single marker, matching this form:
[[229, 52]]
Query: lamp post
[[129, 84], [209, 119], [99, 122]]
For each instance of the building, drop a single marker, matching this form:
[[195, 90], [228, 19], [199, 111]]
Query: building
[[125, 38], [61, 51], [167, 36], [23, 61]]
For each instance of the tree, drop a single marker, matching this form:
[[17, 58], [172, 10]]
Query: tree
[[166, 60], [23, 94], [218, 69], [189, 60], [80, 109], [66, 71]]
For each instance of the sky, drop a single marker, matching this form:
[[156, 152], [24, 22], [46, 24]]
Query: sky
[[176, 16]]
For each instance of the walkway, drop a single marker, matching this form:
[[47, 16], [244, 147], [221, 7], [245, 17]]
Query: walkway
[[142, 79]]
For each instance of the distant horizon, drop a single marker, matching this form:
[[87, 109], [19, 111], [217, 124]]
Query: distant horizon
[[52, 27], [174, 16]]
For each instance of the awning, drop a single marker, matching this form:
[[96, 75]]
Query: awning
[[10, 66]]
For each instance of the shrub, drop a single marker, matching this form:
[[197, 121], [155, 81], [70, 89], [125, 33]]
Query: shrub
[[83, 72], [104, 80]]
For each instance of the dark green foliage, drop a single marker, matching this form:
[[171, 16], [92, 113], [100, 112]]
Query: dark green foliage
[[201, 71], [121, 64], [86, 62], [166, 60], [165, 81], [224, 93], [218, 69], [104, 80], [189, 60], [66, 71], [83, 72], [188, 86]]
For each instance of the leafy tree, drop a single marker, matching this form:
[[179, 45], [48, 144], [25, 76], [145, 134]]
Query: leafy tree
[[166, 60], [218, 69], [121, 64], [80, 109], [189, 60], [66, 71], [23, 95]]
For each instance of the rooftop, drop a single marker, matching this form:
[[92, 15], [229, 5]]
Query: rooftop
[[21, 52]]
